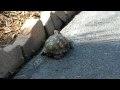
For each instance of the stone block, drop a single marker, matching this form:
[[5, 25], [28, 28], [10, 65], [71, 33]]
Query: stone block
[[11, 58], [56, 21], [47, 22], [28, 26], [61, 15], [33, 41], [70, 14]]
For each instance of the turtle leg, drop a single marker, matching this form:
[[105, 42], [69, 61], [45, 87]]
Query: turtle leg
[[43, 52]]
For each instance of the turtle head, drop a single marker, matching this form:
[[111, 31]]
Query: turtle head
[[56, 32]]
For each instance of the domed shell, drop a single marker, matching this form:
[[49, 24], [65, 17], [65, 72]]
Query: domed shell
[[56, 46]]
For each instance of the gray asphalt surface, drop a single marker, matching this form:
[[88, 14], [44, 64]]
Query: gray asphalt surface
[[95, 36]]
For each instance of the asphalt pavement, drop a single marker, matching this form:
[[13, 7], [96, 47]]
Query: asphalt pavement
[[95, 36]]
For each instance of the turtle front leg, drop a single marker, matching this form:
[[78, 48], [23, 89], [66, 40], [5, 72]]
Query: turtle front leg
[[43, 52]]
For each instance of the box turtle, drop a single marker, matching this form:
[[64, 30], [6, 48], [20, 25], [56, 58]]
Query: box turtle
[[56, 46]]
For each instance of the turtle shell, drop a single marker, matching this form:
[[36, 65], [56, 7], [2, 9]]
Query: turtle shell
[[56, 46]]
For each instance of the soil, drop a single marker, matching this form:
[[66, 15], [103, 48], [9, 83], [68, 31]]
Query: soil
[[11, 22]]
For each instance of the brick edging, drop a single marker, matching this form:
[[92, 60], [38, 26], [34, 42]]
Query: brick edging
[[34, 32]]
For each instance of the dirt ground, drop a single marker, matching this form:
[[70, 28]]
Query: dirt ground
[[11, 22]]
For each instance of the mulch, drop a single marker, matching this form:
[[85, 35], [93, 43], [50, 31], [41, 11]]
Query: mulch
[[11, 22]]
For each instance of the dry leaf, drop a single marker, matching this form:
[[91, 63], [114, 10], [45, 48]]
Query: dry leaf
[[11, 22]]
